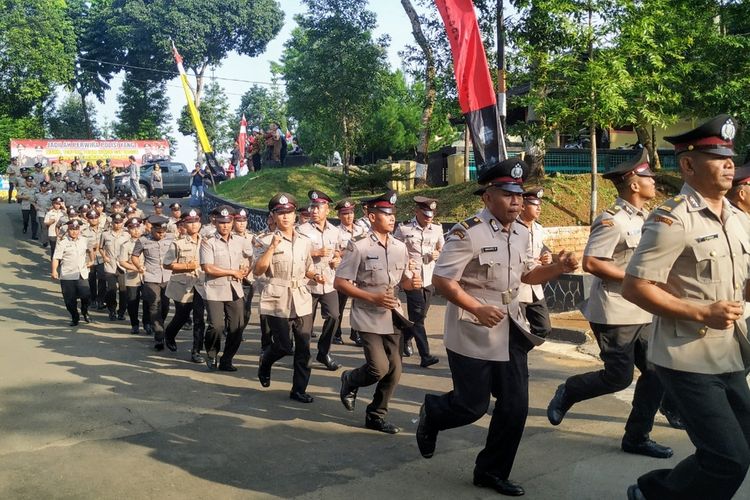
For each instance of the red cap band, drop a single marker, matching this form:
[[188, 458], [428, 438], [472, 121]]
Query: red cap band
[[704, 143]]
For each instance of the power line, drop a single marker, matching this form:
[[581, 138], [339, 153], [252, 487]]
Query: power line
[[131, 79], [175, 73]]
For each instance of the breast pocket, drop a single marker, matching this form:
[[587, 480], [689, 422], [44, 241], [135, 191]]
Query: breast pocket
[[373, 271], [493, 266], [707, 257]]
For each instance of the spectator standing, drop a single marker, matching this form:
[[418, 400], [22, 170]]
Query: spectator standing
[[196, 189]]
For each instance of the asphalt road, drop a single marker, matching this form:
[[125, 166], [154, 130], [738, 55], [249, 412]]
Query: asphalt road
[[94, 412]]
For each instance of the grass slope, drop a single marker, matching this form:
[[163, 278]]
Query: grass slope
[[566, 197]]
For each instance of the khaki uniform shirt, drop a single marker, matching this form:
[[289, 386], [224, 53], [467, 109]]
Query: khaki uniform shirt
[[347, 235], [27, 193], [99, 191], [93, 234], [172, 227], [537, 234], [364, 223], [329, 237], [259, 282], [614, 237], [73, 257], [73, 176], [85, 182], [110, 244], [230, 254], [12, 173], [250, 237], [42, 202], [701, 259], [181, 284], [374, 268], [132, 278], [39, 177], [486, 260], [58, 187], [421, 242], [52, 216], [285, 292], [72, 199], [153, 255]]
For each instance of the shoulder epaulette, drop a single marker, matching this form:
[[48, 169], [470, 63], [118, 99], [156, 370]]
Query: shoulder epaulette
[[471, 222], [359, 237], [613, 209], [671, 203]]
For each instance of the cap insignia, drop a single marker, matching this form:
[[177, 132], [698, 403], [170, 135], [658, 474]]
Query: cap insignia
[[517, 171], [283, 200], [314, 196], [728, 130], [433, 205], [393, 199], [225, 213]]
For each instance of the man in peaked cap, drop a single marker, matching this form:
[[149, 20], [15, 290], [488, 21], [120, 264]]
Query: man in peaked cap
[[325, 242], [349, 229], [483, 262], [148, 254], [70, 264], [373, 266], [424, 241], [621, 328], [239, 228], [283, 259], [739, 194], [54, 214], [109, 248], [690, 270], [25, 195], [532, 296], [225, 259]]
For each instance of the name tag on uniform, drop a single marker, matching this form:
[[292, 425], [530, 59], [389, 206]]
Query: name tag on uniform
[[372, 257], [707, 238], [279, 252], [489, 249], [634, 232]]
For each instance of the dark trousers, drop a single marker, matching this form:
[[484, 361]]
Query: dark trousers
[[225, 314], [134, 300], [97, 283], [474, 380], [72, 291], [27, 215], [249, 292], [43, 237], [343, 298], [290, 336], [182, 314], [11, 187], [329, 307], [382, 366], [52, 246], [537, 315], [417, 305], [117, 293], [155, 300], [622, 347], [716, 411]]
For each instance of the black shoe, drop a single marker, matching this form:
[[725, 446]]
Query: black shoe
[[646, 447], [112, 316], [171, 345], [73, 323], [337, 341], [24, 230], [45, 244], [380, 425], [187, 327], [635, 493], [302, 397], [212, 360], [428, 361], [426, 436], [557, 407], [502, 486], [197, 357], [134, 331], [264, 372], [356, 339], [328, 361], [35, 237], [120, 316], [85, 317], [227, 367], [159, 346], [348, 393], [408, 350], [674, 418], [101, 306]]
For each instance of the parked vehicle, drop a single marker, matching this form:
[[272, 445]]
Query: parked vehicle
[[175, 177]]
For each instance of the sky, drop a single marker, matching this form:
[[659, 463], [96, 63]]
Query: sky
[[392, 20]]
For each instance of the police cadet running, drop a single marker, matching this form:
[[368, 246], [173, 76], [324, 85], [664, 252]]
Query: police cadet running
[[690, 271]]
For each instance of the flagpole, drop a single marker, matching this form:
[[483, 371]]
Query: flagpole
[[501, 110]]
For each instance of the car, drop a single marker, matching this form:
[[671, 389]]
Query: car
[[175, 178]]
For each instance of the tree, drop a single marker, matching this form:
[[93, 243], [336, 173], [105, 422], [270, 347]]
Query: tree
[[38, 44], [215, 116], [330, 66], [263, 105], [143, 110], [67, 121]]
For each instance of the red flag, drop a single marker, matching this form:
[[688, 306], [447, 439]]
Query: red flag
[[242, 139], [476, 94]]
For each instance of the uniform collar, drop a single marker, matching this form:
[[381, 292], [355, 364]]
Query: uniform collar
[[693, 198], [628, 207]]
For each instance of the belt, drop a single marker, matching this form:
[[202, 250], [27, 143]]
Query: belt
[[288, 283]]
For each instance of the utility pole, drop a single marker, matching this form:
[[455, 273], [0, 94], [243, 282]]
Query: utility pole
[[592, 126], [501, 107]]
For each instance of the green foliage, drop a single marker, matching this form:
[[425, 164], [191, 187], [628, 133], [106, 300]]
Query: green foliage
[[37, 44], [16, 128], [374, 178], [143, 111], [261, 106], [67, 120], [215, 116], [331, 66]]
